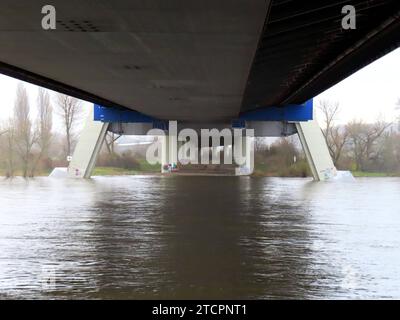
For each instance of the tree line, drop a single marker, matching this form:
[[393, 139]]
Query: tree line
[[355, 146], [28, 146], [32, 146], [361, 146]]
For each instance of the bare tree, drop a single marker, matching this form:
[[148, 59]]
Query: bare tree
[[70, 110], [339, 138], [44, 126], [24, 136], [10, 151], [329, 111], [354, 129], [335, 137], [7, 149], [374, 132], [364, 139]]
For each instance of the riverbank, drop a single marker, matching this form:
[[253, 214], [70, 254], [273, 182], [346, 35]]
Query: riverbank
[[143, 167], [114, 171], [356, 174], [295, 173], [151, 170], [375, 174]]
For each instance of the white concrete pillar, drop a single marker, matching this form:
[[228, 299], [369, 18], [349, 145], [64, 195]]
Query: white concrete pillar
[[316, 150], [249, 142], [173, 142], [247, 145], [164, 152], [88, 147]]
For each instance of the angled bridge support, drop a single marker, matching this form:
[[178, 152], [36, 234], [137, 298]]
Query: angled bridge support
[[316, 150], [87, 150], [310, 134], [93, 135]]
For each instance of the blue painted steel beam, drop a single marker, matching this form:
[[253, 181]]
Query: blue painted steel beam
[[119, 115], [292, 112], [302, 112], [107, 114]]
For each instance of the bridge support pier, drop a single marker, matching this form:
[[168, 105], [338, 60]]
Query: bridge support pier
[[164, 140], [87, 150], [169, 147], [316, 150], [247, 149]]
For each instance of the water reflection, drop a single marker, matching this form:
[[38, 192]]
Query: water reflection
[[199, 237]]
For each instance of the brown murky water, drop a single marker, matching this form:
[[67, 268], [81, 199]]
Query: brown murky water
[[199, 237]]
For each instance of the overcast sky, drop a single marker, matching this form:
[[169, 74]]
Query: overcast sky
[[370, 93]]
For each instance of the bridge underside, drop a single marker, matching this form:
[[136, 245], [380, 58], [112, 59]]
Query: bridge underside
[[194, 61]]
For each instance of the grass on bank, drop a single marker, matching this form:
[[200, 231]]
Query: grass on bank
[[299, 169], [18, 173], [375, 174], [144, 167], [114, 171]]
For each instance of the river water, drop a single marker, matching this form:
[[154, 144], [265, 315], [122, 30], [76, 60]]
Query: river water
[[176, 237]]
